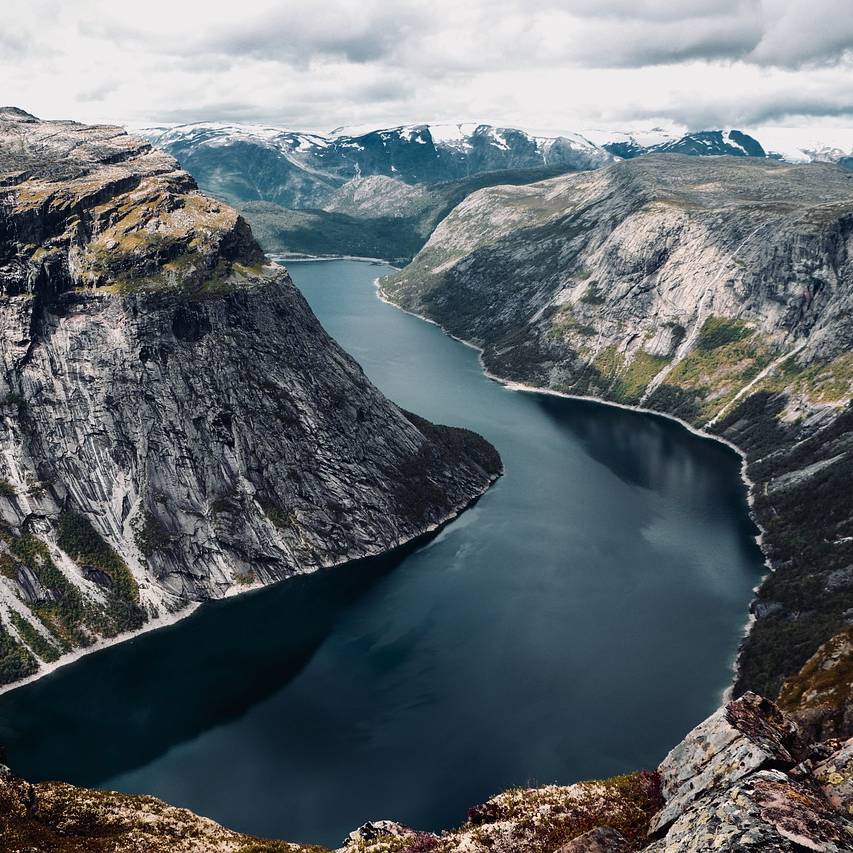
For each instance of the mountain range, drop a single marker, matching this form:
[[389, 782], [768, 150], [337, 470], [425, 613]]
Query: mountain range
[[380, 193]]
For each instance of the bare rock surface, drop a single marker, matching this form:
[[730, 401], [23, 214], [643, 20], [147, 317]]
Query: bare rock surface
[[740, 738], [175, 425]]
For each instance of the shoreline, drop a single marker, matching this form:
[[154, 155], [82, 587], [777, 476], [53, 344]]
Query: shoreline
[[532, 389], [291, 259]]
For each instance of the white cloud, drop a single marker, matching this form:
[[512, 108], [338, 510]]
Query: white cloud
[[564, 64]]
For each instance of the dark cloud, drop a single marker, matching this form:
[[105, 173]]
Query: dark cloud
[[747, 110]]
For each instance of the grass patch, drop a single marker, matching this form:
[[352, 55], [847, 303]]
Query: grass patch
[[46, 650], [637, 375], [150, 535], [716, 332], [16, 660], [84, 544]]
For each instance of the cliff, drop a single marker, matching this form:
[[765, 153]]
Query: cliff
[[744, 779], [717, 290], [175, 425]]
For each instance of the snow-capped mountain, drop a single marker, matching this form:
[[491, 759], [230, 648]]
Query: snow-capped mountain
[[733, 143], [294, 169]]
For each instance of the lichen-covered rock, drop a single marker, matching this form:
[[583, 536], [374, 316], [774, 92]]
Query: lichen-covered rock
[[835, 776], [602, 839], [735, 741], [820, 696], [175, 425], [765, 812]]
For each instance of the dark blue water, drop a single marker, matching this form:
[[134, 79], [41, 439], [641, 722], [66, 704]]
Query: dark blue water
[[574, 623]]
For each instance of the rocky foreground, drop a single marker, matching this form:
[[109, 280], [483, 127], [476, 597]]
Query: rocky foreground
[[715, 289], [745, 779], [175, 425]]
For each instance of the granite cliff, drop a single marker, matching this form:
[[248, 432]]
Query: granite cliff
[[176, 425], [718, 290]]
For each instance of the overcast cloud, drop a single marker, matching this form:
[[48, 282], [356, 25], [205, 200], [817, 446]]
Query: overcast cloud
[[561, 66]]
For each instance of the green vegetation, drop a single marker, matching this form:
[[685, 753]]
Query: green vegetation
[[565, 323], [727, 356], [7, 490], [684, 403], [46, 650], [85, 546], [150, 534], [608, 362], [245, 578], [281, 518], [823, 382], [16, 661], [719, 331], [638, 374], [64, 613]]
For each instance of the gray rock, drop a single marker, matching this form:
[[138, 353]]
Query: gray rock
[[766, 812], [734, 742], [603, 839], [835, 776]]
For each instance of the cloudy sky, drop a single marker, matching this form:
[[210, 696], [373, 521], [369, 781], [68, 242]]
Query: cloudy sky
[[559, 66]]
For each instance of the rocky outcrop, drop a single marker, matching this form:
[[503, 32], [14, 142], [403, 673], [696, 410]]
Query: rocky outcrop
[[176, 425], [52, 817], [745, 779], [820, 696], [715, 289]]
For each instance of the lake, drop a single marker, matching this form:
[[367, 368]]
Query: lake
[[574, 623]]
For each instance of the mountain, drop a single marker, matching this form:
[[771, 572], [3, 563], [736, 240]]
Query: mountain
[[176, 424], [375, 217], [744, 779], [704, 143], [717, 290], [299, 170]]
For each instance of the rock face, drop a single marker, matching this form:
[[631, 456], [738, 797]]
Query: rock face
[[737, 740], [715, 289], [176, 425], [745, 779]]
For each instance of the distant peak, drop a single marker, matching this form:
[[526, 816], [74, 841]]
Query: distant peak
[[16, 114]]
